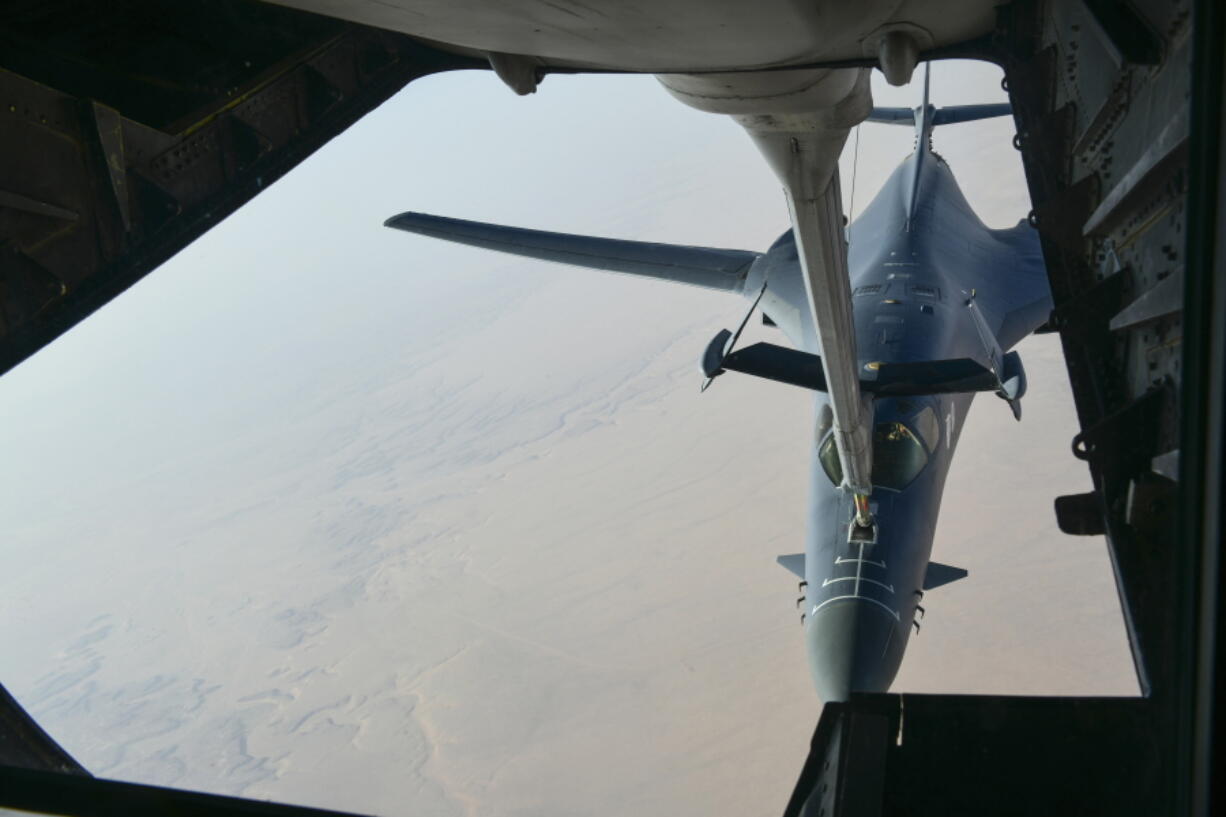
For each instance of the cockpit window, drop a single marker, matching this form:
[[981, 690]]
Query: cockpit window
[[925, 423], [898, 457], [828, 455]]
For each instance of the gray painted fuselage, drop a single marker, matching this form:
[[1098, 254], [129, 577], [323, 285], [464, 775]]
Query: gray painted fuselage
[[913, 267]]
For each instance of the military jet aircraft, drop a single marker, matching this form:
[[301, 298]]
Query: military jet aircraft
[[937, 301]]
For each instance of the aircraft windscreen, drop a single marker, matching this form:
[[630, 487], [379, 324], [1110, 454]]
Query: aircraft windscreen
[[829, 456], [898, 457]]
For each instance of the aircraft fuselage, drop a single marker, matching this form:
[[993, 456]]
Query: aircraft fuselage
[[913, 276]]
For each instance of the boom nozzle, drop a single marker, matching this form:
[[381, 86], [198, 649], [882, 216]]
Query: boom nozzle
[[864, 517]]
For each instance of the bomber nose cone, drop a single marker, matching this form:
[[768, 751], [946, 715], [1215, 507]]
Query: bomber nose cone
[[853, 647]]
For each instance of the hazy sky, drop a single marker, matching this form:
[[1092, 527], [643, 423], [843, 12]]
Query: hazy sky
[[324, 512], [304, 278]]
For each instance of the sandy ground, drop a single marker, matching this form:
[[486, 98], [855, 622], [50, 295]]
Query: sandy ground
[[462, 620], [499, 559]]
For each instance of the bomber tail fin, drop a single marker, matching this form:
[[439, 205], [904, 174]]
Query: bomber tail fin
[[892, 116], [950, 115], [924, 118], [970, 113], [698, 266], [927, 116]]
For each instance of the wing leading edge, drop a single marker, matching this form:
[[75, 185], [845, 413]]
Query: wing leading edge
[[698, 266]]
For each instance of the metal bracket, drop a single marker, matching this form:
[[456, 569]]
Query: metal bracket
[[1124, 441], [861, 535], [108, 129]]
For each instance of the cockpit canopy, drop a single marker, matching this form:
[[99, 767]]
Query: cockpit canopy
[[899, 452]]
